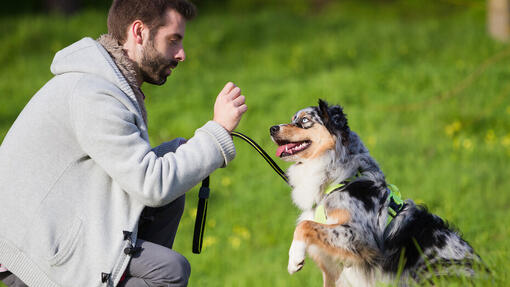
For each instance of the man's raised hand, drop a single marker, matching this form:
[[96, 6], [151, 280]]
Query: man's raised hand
[[229, 107]]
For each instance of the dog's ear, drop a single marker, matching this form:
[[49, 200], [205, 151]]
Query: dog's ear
[[335, 120], [324, 114]]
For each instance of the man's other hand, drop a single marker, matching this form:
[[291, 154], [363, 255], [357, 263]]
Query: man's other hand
[[229, 107]]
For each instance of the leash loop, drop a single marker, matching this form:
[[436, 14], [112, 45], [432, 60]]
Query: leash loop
[[203, 194], [198, 234]]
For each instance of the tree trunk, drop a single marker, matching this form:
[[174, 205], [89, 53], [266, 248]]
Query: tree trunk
[[499, 19]]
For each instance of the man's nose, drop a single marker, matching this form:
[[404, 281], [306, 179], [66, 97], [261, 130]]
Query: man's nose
[[181, 55], [273, 130]]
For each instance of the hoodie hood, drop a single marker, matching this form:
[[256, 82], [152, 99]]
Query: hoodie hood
[[90, 57]]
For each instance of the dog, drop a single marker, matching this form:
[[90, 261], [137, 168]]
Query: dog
[[360, 243]]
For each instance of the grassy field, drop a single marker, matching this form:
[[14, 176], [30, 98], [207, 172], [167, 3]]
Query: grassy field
[[424, 86]]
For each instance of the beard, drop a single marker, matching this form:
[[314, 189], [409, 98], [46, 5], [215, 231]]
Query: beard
[[154, 67]]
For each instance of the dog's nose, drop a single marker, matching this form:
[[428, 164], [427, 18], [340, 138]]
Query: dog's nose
[[274, 129]]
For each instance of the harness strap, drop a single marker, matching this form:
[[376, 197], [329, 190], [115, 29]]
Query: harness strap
[[320, 211], [396, 204]]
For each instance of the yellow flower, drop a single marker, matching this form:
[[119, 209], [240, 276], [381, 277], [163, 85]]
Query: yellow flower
[[456, 143], [211, 223], [235, 241], [453, 128], [209, 241], [506, 141], [467, 144], [490, 137], [226, 181], [242, 232]]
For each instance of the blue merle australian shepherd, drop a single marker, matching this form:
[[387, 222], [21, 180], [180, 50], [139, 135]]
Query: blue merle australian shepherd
[[366, 235]]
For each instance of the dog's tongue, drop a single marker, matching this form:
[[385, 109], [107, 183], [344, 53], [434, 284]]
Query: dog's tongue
[[285, 148]]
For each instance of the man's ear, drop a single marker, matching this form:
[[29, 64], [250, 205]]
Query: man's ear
[[137, 31]]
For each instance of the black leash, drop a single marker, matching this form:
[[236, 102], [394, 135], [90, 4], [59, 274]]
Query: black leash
[[203, 197], [203, 194]]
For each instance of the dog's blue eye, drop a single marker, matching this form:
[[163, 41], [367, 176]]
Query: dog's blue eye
[[304, 120]]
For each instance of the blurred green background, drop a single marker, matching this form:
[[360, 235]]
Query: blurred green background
[[422, 82]]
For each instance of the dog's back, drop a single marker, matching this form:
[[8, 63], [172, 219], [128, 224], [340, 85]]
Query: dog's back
[[424, 245]]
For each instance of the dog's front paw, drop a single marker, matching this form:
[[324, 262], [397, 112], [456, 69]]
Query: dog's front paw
[[296, 256]]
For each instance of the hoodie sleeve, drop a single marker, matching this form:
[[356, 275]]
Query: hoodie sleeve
[[106, 130]]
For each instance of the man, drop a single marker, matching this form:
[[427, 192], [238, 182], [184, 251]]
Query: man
[[77, 170]]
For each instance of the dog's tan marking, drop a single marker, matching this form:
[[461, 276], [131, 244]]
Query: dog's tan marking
[[315, 233], [341, 216], [329, 267], [321, 139]]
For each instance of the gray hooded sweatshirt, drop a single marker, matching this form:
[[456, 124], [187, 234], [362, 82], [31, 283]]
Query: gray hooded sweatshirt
[[77, 169]]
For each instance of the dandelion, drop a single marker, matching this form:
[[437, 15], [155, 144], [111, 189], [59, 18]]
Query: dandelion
[[490, 137], [505, 141], [211, 223], [467, 144], [235, 241], [242, 232], [456, 143], [453, 128], [209, 241], [226, 181]]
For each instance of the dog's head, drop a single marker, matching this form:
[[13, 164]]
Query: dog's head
[[312, 132]]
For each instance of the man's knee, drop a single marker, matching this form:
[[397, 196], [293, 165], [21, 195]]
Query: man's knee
[[177, 270]]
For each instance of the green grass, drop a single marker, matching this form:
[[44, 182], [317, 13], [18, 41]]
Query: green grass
[[424, 86]]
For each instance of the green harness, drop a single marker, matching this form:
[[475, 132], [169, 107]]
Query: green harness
[[395, 201]]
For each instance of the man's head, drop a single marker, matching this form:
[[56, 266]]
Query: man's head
[[152, 32]]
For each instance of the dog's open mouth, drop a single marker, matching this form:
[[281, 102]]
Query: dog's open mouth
[[291, 148]]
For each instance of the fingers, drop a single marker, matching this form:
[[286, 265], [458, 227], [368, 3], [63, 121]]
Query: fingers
[[234, 93], [243, 108], [227, 88], [229, 107], [230, 91], [239, 101]]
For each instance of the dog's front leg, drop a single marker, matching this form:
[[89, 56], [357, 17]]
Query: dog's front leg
[[297, 254]]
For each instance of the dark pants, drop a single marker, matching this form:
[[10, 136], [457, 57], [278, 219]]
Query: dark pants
[[11, 280], [156, 264]]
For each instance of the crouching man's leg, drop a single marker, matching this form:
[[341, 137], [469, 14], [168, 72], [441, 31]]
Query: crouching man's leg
[[156, 265], [159, 225], [11, 280]]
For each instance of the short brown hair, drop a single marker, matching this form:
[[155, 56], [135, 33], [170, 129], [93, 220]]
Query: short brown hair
[[150, 12]]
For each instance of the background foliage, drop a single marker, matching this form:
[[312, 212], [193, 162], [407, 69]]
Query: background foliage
[[421, 82]]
